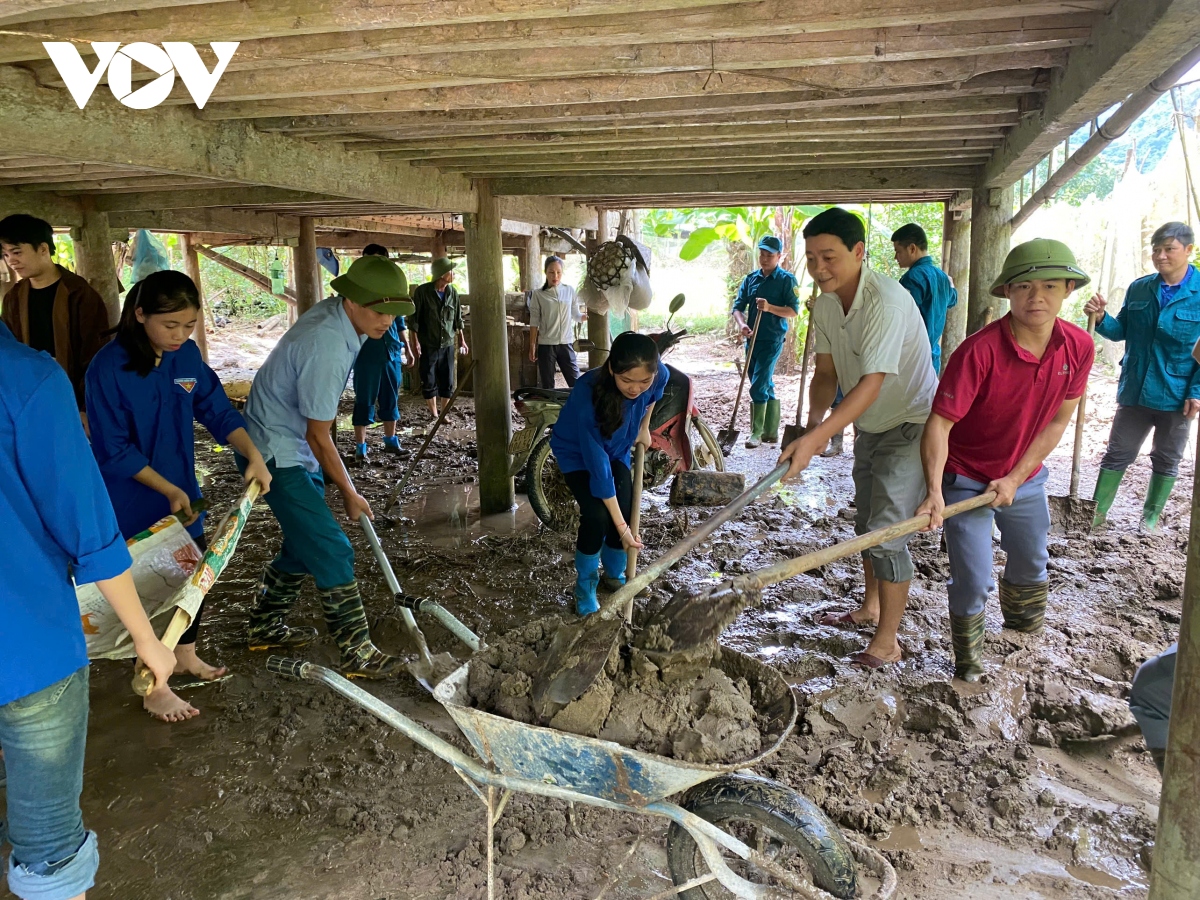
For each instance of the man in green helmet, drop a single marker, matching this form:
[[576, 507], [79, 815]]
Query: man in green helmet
[[1002, 405], [1159, 389]]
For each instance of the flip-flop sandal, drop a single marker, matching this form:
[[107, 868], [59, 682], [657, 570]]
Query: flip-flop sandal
[[837, 620], [869, 660]]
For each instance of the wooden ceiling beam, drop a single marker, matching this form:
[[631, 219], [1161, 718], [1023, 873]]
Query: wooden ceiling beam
[[733, 166]]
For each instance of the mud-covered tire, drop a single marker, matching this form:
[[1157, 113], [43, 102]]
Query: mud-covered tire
[[549, 496], [707, 446], [781, 822]]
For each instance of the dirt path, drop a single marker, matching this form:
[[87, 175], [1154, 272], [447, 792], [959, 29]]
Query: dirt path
[[1033, 784]]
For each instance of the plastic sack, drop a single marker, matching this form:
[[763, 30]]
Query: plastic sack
[[640, 293], [593, 298], [149, 256]]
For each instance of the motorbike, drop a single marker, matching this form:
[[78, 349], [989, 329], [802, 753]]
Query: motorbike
[[680, 440]]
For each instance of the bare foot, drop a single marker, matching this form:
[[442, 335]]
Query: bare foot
[[188, 663], [163, 703]]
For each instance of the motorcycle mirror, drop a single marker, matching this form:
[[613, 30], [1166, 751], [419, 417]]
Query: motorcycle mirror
[[676, 305]]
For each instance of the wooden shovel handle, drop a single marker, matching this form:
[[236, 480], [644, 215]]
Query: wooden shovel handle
[[635, 519], [1080, 418], [745, 369], [789, 568]]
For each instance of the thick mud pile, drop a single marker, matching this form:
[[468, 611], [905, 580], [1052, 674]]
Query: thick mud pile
[[687, 709]]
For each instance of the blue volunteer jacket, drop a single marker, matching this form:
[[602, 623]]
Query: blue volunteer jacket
[[931, 290], [576, 439], [779, 289], [56, 519], [138, 422], [1157, 371]]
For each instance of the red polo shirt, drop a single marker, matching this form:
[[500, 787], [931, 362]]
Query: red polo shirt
[[1001, 397]]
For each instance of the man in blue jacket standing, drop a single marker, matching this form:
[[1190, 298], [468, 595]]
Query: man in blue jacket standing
[[930, 286], [1159, 388]]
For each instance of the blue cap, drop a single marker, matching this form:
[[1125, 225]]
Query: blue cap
[[771, 244]]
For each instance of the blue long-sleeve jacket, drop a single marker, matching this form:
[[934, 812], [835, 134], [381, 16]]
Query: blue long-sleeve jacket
[[934, 294], [576, 439], [1157, 371], [138, 422], [56, 519], [779, 289]]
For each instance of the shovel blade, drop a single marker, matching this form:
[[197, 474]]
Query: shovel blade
[[431, 672], [790, 433], [726, 439], [693, 619], [1071, 515], [574, 661]]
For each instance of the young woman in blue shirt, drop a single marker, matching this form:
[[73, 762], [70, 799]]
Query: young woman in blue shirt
[[144, 390], [607, 412]]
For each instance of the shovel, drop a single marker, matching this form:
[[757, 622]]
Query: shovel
[[1070, 515], [693, 619], [793, 431], [579, 651], [635, 519], [727, 437], [428, 670], [391, 501]]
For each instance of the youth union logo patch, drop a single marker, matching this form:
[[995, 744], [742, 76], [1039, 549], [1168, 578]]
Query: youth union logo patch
[[186, 383]]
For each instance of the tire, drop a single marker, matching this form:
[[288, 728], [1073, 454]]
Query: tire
[[770, 817], [707, 446], [549, 495]]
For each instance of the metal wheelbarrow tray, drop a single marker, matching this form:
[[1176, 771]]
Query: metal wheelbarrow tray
[[514, 756]]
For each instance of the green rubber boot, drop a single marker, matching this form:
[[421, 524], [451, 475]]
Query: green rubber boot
[[966, 635], [1024, 605], [1156, 498], [771, 423], [347, 622], [1107, 483], [276, 593], [758, 416]]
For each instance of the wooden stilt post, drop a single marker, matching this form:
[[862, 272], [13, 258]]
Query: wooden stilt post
[[94, 257], [991, 213], [597, 323], [308, 282], [529, 262], [957, 265], [191, 266], [1176, 874], [489, 347]]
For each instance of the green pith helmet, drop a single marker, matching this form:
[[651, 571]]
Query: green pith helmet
[[376, 283], [442, 266], [1042, 259]]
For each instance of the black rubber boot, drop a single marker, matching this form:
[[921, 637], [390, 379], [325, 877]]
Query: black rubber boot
[[966, 635], [276, 593], [1024, 605], [347, 622], [1159, 755]]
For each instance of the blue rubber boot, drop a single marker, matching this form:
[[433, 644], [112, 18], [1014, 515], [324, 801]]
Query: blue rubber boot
[[360, 453], [392, 445], [587, 579], [614, 567]]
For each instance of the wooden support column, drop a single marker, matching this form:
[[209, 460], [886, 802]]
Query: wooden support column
[[991, 213], [957, 264], [308, 282], [529, 262], [489, 346], [597, 323], [94, 256], [191, 266]]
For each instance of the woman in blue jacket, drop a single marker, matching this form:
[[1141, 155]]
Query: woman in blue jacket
[[607, 412], [143, 392]]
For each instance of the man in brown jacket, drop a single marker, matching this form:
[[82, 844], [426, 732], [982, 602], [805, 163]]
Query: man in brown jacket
[[50, 308]]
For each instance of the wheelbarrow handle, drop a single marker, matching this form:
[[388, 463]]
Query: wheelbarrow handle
[[293, 668]]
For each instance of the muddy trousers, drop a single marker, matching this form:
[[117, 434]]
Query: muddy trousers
[[596, 528], [376, 385], [1150, 697], [1024, 528], [762, 369], [1130, 428], [560, 355], [436, 366], [888, 485], [43, 734]]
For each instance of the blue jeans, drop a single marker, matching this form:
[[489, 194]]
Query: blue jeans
[[43, 735], [1024, 528], [313, 542]]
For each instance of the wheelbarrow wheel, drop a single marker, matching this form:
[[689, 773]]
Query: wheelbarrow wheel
[[706, 451], [549, 495], [770, 818]]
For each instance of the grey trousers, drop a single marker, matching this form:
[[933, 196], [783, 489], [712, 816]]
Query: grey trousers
[[1024, 528], [888, 485], [1130, 426], [1150, 698]]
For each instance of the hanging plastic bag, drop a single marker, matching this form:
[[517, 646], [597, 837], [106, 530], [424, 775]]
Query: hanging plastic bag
[[149, 256]]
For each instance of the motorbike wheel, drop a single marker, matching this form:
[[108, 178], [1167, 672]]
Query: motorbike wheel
[[770, 818], [549, 495], [706, 452]]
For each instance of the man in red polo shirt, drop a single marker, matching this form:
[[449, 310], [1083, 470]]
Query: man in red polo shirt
[[1002, 405]]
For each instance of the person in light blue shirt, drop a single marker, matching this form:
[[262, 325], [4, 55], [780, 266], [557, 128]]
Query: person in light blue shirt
[[607, 412], [930, 286], [1159, 389], [59, 530], [292, 403], [773, 291], [144, 391]]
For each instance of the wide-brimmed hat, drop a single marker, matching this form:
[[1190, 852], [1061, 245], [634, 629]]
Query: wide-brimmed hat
[[1041, 259], [376, 283], [442, 266]]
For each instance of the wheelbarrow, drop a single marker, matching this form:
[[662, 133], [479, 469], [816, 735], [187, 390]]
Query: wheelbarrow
[[784, 827]]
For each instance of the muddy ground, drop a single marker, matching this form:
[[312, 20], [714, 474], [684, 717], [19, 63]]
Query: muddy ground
[[1032, 784]]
